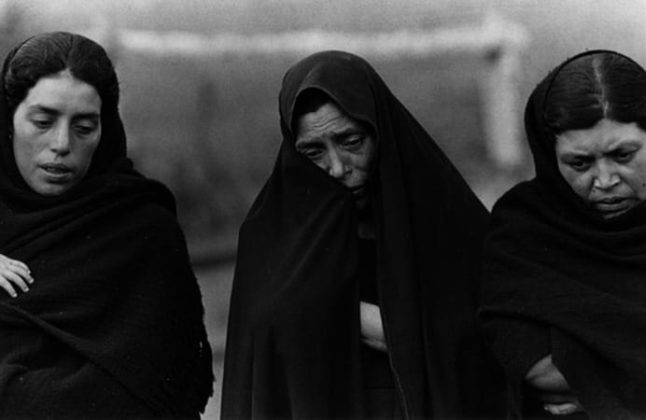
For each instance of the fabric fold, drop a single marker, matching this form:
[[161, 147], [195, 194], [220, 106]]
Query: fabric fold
[[294, 332], [553, 264], [113, 325]]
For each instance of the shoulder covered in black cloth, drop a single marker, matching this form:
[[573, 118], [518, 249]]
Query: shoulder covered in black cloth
[[561, 279], [112, 326], [293, 345]]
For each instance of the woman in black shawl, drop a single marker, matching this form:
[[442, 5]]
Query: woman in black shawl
[[564, 293], [112, 324], [356, 285]]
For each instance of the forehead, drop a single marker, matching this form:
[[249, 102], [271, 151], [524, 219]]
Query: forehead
[[604, 136], [328, 120], [63, 92]]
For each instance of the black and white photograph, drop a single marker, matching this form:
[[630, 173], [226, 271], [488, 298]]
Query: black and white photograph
[[323, 209]]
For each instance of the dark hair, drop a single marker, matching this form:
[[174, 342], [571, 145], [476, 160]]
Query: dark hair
[[593, 87], [51, 53]]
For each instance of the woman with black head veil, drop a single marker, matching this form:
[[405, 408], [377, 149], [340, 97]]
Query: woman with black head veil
[[110, 325], [564, 289], [357, 274]]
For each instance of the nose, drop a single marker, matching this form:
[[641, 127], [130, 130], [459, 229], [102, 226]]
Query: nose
[[335, 166], [606, 177], [60, 144]]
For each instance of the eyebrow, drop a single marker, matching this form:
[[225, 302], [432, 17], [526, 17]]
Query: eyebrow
[[576, 155], [52, 111], [349, 132], [628, 143], [345, 132], [582, 155], [307, 142]]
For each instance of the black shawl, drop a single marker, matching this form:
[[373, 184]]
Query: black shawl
[[113, 324], [293, 346], [560, 279]]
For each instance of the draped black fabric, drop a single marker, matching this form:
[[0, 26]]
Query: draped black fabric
[[113, 324], [293, 346], [560, 279]]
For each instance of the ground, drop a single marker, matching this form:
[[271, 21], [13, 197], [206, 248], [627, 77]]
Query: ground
[[216, 289]]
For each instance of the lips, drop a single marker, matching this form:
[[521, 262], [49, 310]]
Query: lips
[[56, 172], [612, 206], [358, 191]]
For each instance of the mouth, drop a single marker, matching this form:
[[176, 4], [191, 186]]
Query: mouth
[[359, 191], [57, 172], [613, 206]]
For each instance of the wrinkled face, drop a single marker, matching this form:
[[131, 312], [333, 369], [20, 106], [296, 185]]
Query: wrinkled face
[[605, 165], [56, 130], [340, 146]]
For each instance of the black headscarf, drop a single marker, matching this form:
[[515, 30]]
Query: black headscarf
[[113, 324], [560, 279], [293, 346]]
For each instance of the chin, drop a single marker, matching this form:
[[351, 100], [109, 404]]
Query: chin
[[612, 215], [361, 203], [50, 190]]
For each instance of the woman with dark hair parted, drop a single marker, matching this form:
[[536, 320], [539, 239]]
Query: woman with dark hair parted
[[103, 317], [356, 282], [564, 292]]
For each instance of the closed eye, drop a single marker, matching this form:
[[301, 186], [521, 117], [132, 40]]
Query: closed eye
[[42, 123], [353, 141], [311, 152], [85, 129]]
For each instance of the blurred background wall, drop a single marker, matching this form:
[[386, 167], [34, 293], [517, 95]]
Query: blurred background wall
[[207, 123], [200, 101]]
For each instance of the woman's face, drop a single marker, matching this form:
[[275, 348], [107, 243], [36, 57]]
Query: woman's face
[[56, 130], [605, 165], [340, 146]]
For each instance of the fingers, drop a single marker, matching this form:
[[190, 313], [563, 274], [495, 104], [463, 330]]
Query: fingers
[[15, 263], [556, 398], [375, 344], [8, 287], [371, 324], [21, 270], [14, 275], [563, 409]]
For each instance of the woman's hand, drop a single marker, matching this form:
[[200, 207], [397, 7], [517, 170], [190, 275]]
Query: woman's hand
[[372, 330], [14, 273], [561, 405], [552, 389]]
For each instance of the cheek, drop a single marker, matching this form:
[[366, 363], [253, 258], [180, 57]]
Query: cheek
[[86, 151], [366, 159], [25, 151], [636, 178], [581, 183], [582, 188], [361, 164]]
